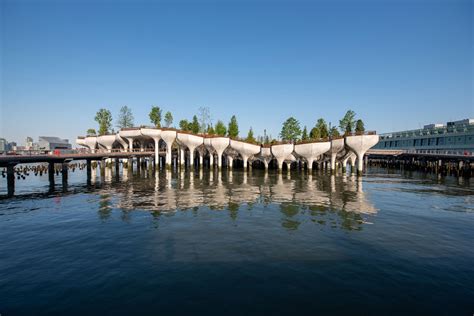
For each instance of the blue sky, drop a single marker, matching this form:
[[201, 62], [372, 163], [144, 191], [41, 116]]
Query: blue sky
[[397, 64]]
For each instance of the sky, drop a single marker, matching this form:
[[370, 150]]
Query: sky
[[397, 64]]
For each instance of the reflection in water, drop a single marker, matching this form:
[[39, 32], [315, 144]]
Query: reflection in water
[[338, 202]]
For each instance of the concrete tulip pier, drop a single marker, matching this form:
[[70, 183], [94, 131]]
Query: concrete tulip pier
[[246, 150], [266, 156], [219, 144], [81, 141], [311, 151], [122, 142], [210, 149], [155, 134], [337, 145], [130, 134], [168, 136], [91, 142], [348, 156], [281, 152], [191, 142], [106, 141], [359, 145], [289, 160]]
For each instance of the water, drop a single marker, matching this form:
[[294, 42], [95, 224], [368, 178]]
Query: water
[[235, 243]]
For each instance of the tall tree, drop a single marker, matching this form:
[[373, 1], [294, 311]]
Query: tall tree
[[221, 130], [91, 132], [250, 138], [210, 130], [184, 125], [168, 119], [346, 124], [304, 135], [155, 116], [315, 133], [322, 129], [233, 130], [125, 118], [334, 132], [291, 130], [195, 125], [360, 126], [104, 118], [204, 116]]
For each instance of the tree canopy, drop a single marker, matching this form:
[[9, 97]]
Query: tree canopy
[[250, 138], [183, 125], [291, 130], [194, 126], [233, 130], [91, 132], [346, 124], [125, 118], [334, 132], [104, 118], [155, 116], [360, 126], [210, 130], [221, 130], [304, 135], [168, 119]]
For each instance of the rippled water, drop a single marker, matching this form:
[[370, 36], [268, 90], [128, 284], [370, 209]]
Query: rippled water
[[237, 243]]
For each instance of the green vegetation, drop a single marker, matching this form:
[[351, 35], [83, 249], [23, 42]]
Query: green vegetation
[[155, 116], [168, 119], [221, 130], [291, 130], [250, 138], [347, 123], [125, 118], [360, 126], [184, 125], [104, 118], [334, 132], [194, 125], [233, 130], [210, 130], [91, 132], [304, 135]]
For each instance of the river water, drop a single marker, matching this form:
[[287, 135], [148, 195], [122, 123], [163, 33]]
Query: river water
[[238, 243]]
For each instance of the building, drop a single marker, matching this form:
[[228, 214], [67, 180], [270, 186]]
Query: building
[[456, 136], [48, 143], [3, 145]]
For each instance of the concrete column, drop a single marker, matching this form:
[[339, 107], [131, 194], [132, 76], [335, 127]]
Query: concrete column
[[191, 158], [280, 164], [360, 163], [11, 180], [51, 173], [265, 162], [117, 165], [353, 161], [89, 170], [130, 142], [333, 161], [64, 170], [168, 155], [219, 160], [231, 162], [211, 160], [288, 166], [200, 160], [181, 158], [309, 164], [157, 151], [245, 159]]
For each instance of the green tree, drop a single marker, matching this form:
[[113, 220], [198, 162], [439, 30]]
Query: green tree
[[184, 125], [304, 135], [320, 130], [233, 130], [360, 126], [346, 124], [91, 132], [104, 118], [291, 130], [334, 132], [194, 126], [315, 133], [155, 116], [168, 119], [221, 130], [210, 130], [250, 138], [125, 118]]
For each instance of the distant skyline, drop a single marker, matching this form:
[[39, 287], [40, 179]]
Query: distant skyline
[[398, 64]]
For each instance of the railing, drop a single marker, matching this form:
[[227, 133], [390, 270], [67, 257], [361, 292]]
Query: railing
[[437, 152]]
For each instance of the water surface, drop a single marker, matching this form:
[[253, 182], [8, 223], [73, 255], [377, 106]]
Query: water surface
[[237, 243]]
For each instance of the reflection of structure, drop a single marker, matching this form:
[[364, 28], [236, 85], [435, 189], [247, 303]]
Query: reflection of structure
[[338, 197]]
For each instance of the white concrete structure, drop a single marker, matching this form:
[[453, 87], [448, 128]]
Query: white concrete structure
[[281, 152], [337, 145], [311, 151], [191, 141], [106, 141], [220, 144], [168, 136], [155, 134], [246, 150], [130, 135], [91, 142], [360, 144], [266, 156]]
